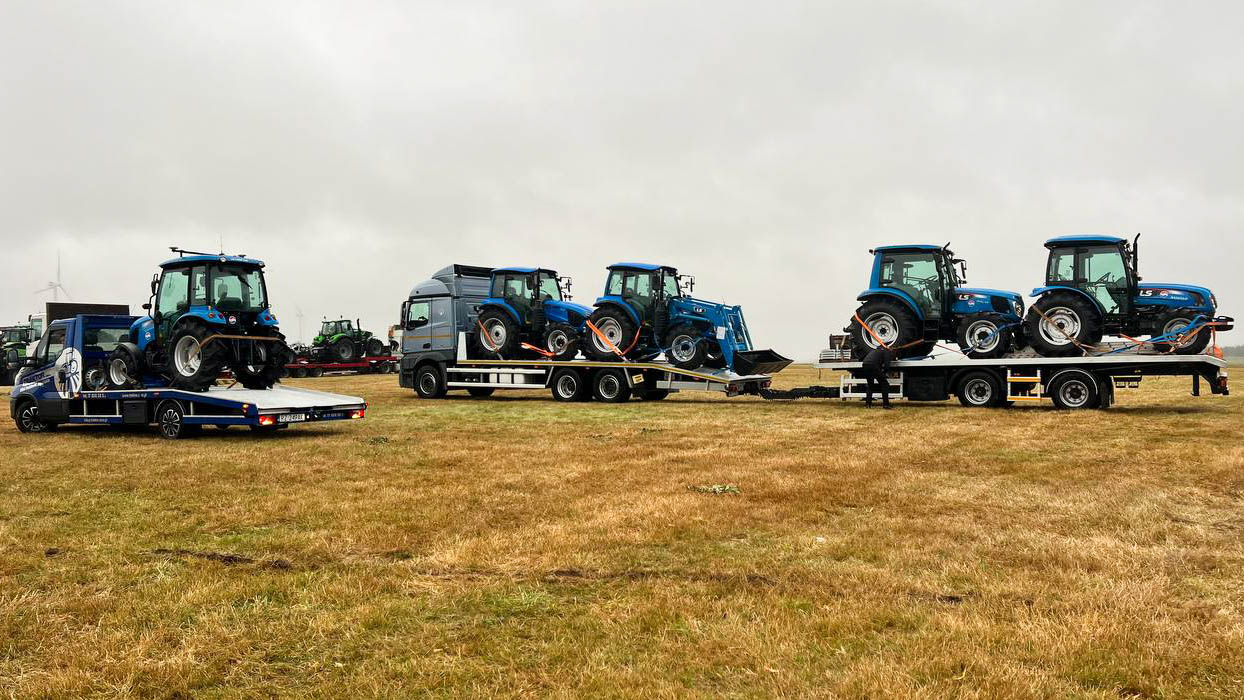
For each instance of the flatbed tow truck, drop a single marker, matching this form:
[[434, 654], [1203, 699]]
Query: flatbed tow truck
[[1066, 382], [62, 383]]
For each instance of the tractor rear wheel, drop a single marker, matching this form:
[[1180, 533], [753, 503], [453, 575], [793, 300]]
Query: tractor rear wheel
[[498, 334], [194, 362], [562, 340], [982, 336], [262, 364], [1188, 344], [375, 348], [618, 331], [343, 350], [1062, 324], [685, 347], [892, 323]]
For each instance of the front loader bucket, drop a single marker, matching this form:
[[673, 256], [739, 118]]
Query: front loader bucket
[[759, 362]]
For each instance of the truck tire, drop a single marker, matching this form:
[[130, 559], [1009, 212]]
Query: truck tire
[[263, 364], [1173, 322], [609, 386], [498, 334], [980, 389], [27, 418], [192, 364], [481, 392], [618, 329], [170, 419], [1074, 389], [375, 348], [653, 395], [1072, 322], [429, 383], [685, 347], [569, 385], [893, 322], [982, 336], [315, 372], [562, 340], [343, 350], [123, 368]]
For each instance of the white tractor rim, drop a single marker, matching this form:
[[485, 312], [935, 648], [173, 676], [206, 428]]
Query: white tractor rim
[[884, 327], [496, 335], [683, 348], [612, 330], [117, 372], [1060, 326], [558, 342], [188, 356], [1175, 325], [983, 335]]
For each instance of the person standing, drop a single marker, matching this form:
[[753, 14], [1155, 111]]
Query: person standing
[[875, 366]]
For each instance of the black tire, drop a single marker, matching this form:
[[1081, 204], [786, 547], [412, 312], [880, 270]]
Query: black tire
[[618, 329], [429, 382], [497, 334], [170, 419], [653, 395], [1074, 389], [1172, 322], [685, 347], [186, 344], [896, 324], [262, 364], [315, 372], [713, 356], [1073, 322], [375, 347], [27, 418], [343, 350], [982, 336], [980, 389], [299, 372], [562, 340], [609, 386], [123, 369], [481, 392], [267, 429], [569, 385]]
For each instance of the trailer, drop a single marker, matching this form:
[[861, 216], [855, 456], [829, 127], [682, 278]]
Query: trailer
[[303, 367], [1021, 378], [61, 384]]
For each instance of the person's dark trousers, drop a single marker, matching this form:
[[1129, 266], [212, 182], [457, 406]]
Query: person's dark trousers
[[875, 379]]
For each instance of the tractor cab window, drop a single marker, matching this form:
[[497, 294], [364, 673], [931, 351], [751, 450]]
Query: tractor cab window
[[198, 286], [1105, 273], [549, 289], [919, 275], [637, 284], [237, 288], [1062, 267], [328, 328], [15, 335], [173, 296], [671, 285]]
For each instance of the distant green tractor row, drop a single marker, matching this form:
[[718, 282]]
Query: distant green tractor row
[[343, 341], [13, 342]]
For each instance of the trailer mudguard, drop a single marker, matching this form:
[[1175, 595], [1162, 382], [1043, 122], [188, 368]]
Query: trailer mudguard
[[503, 305], [1040, 291], [899, 294], [620, 303]]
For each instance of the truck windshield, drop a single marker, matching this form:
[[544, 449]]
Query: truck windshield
[[549, 288], [237, 288]]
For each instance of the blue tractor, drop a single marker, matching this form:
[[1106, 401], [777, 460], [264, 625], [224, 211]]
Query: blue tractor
[[1092, 288], [528, 312], [644, 312], [916, 297], [208, 313]]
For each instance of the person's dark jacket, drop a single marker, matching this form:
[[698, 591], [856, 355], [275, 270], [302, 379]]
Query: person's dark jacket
[[878, 359]]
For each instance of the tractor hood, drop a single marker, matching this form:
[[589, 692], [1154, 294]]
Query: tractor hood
[[1177, 292], [1013, 296], [566, 312], [569, 306]]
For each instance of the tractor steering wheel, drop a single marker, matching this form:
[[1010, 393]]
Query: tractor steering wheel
[[1108, 277]]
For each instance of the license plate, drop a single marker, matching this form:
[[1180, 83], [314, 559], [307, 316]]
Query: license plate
[[291, 417]]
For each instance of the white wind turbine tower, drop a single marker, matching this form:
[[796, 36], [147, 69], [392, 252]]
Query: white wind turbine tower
[[55, 287]]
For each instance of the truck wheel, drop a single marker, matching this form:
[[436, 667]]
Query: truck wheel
[[980, 390], [1069, 322], [343, 350], [568, 385], [892, 322], [1074, 389], [653, 394], [375, 347], [315, 372], [982, 336], [263, 364], [610, 386], [481, 392], [194, 365], [561, 340], [170, 419], [123, 370], [618, 329], [428, 382], [27, 418], [685, 347], [498, 334], [299, 372], [1188, 345]]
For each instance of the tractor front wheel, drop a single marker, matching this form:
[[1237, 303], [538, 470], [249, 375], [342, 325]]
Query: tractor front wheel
[[982, 336], [194, 362], [1062, 324], [889, 323], [614, 334], [123, 372], [562, 340], [685, 347], [1191, 342]]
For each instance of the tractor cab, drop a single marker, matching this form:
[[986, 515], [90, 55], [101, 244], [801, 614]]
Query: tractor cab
[[331, 329], [923, 274], [641, 286], [528, 310], [1101, 267]]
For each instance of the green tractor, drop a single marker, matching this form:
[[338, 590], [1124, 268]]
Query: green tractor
[[13, 342], [343, 341]]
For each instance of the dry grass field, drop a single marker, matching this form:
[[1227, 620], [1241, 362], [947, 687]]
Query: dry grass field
[[518, 546]]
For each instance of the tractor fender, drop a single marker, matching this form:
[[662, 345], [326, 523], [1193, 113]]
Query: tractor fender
[[878, 292], [605, 302], [200, 316], [1041, 291], [500, 304]]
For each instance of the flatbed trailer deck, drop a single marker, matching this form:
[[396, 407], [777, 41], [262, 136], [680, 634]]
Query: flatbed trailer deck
[[381, 364], [1067, 382]]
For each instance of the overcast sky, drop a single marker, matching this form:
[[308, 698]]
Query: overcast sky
[[763, 147]]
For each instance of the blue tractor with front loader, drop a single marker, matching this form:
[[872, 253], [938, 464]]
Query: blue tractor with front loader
[[645, 312], [528, 313], [1093, 289], [916, 297], [207, 313]]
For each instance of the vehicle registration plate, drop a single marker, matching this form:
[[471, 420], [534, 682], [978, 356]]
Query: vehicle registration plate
[[291, 417]]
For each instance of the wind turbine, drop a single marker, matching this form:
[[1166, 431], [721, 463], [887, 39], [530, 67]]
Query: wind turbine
[[55, 287]]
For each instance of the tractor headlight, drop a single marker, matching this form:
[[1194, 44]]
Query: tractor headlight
[[1019, 307]]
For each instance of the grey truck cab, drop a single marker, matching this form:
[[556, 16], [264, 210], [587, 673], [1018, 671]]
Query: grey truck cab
[[437, 310]]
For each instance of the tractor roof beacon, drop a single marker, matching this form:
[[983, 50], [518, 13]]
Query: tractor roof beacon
[[206, 313], [1093, 289], [528, 313], [917, 295]]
